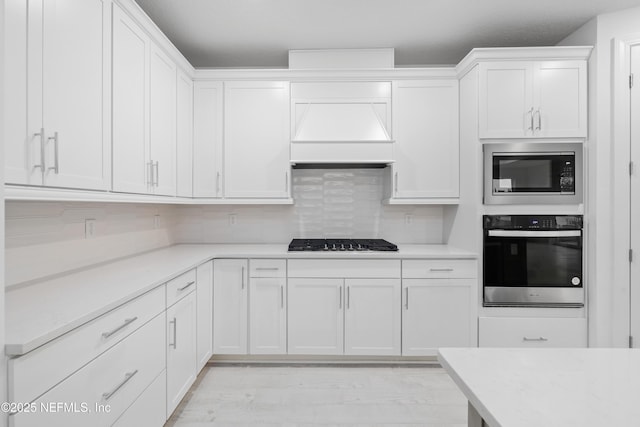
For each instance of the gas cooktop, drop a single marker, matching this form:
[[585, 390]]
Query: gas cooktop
[[341, 245]]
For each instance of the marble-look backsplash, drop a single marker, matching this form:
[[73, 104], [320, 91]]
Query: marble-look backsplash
[[328, 203]]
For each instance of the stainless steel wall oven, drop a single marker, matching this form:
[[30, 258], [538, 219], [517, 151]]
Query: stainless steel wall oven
[[533, 260]]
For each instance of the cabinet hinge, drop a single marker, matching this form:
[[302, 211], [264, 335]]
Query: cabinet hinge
[[630, 81], [630, 341]]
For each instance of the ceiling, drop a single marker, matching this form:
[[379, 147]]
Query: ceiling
[[259, 33]]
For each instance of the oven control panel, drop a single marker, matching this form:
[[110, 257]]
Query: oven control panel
[[532, 222]]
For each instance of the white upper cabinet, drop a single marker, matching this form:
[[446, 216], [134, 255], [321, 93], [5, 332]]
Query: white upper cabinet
[[162, 114], [184, 134], [533, 99], [65, 141], [207, 139], [131, 169], [425, 128], [144, 112], [256, 140]]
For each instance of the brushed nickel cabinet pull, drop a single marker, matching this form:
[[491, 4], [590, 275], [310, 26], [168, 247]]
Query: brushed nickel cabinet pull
[[186, 286], [530, 113], [539, 127], [127, 378], [126, 323], [540, 339], [242, 284], [174, 344], [157, 174], [441, 269], [348, 297], [217, 183], [56, 157], [406, 298], [281, 296], [41, 165]]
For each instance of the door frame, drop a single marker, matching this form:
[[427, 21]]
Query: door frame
[[621, 188]]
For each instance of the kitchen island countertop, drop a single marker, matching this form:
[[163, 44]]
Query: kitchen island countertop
[[39, 312], [550, 387]]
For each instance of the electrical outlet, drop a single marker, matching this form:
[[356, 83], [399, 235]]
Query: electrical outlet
[[89, 228], [232, 219], [408, 219], [156, 221]]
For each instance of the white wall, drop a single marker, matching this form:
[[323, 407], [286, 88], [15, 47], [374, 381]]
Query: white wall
[[45, 238], [328, 203], [3, 360], [608, 201]]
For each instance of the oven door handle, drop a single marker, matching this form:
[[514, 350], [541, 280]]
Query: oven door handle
[[528, 233]]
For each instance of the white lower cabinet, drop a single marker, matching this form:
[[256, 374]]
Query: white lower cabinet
[[98, 393], [204, 310], [268, 307], [439, 305], [230, 306], [354, 309], [181, 349], [436, 313], [532, 332], [316, 318], [149, 408], [372, 317]]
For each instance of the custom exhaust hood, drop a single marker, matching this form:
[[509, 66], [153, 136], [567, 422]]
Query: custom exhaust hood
[[341, 123]]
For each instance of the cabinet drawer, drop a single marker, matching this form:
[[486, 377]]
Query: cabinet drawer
[[180, 287], [116, 379], [268, 268], [341, 268], [532, 332], [439, 269], [149, 409], [32, 374]]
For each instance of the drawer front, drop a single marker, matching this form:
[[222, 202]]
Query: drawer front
[[268, 268], [100, 392], [439, 269], [32, 374], [149, 409], [342, 268], [532, 332], [180, 287]]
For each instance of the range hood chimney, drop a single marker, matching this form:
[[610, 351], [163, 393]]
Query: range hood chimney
[[341, 122]]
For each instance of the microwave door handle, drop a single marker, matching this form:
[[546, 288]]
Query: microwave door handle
[[527, 233]]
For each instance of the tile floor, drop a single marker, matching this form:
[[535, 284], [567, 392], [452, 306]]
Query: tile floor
[[269, 396]]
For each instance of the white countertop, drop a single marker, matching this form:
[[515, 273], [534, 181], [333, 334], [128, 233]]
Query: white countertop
[[509, 387], [40, 312]]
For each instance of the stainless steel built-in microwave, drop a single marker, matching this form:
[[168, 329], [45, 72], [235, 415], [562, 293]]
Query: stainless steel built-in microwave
[[533, 173]]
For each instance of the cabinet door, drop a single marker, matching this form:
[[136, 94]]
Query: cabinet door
[[506, 100], [316, 316], [268, 315], [74, 99], [560, 99], [436, 313], [204, 309], [131, 170], [372, 317], [184, 132], [162, 122], [207, 139], [425, 124], [230, 306], [181, 350], [22, 154], [256, 148]]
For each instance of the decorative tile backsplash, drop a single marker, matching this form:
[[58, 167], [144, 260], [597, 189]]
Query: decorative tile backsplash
[[328, 203]]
